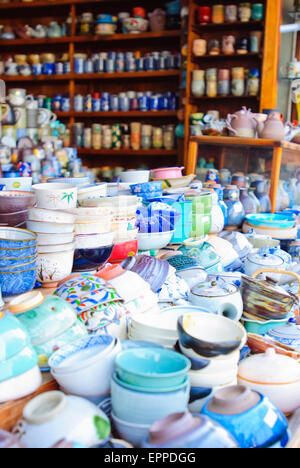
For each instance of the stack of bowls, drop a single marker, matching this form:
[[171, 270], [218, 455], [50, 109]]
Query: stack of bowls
[[19, 371], [22, 184], [85, 367], [18, 261], [14, 206], [55, 230], [89, 192], [124, 222], [94, 237], [148, 383], [213, 344]]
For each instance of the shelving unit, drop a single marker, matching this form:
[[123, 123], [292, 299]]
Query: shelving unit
[[266, 61], [42, 12]]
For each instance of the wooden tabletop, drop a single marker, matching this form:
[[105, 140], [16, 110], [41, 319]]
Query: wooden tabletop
[[236, 141]]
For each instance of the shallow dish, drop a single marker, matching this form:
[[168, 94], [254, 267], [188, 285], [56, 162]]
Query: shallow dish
[[154, 241], [50, 228], [152, 368], [280, 221], [260, 327], [135, 177], [50, 216], [55, 196], [12, 201]]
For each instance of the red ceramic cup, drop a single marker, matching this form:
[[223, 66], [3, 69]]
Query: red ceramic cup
[[204, 15], [139, 12]]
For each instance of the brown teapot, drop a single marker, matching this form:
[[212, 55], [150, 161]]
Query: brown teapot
[[242, 123]]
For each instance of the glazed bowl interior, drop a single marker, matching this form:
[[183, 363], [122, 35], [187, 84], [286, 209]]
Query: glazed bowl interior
[[16, 235]]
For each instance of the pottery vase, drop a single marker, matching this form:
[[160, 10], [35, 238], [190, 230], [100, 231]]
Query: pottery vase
[[217, 223], [261, 194], [236, 212], [247, 202]]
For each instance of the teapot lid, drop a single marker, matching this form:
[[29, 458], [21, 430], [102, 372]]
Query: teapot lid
[[265, 259], [269, 368], [289, 331], [214, 289]]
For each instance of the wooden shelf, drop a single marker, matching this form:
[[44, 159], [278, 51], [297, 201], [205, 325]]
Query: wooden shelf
[[89, 39], [111, 114], [236, 26], [127, 152], [49, 3], [95, 76], [207, 98], [250, 142], [223, 57]]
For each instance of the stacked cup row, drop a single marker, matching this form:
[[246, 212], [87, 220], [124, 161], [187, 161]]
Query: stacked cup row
[[148, 383], [55, 230], [94, 237]]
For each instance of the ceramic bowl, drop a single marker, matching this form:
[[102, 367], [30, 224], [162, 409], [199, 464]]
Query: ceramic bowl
[[78, 181], [243, 413], [14, 238], [123, 250], [14, 219], [54, 267], [154, 240], [261, 327], [139, 388], [17, 183], [145, 408], [92, 211], [213, 379], [55, 196], [120, 205], [146, 188], [14, 254], [50, 216], [91, 193], [20, 386], [280, 221], [133, 433], [20, 363], [55, 248], [152, 368], [17, 282], [12, 261], [53, 416], [14, 337], [12, 201], [91, 241], [91, 259], [50, 228], [153, 270], [98, 227], [45, 239], [135, 26], [209, 335], [193, 276], [184, 430], [20, 266], [135, 177], [85, 367]]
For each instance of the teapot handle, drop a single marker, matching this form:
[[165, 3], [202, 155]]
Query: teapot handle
[[281, 272], [229, 119]]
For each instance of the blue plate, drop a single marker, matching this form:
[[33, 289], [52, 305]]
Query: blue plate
[[280, 221]]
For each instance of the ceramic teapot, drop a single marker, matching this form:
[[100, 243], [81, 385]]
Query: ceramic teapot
[[273, 128], [287, 335], [218, 297], [242, 124], [263, 259]]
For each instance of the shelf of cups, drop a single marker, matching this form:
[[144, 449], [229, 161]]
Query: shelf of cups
[[236, 26], [94, 76], [118, 114], [88, 39], [127, 152]]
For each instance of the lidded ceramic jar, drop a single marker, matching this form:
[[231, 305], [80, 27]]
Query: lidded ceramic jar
[[288, 335], [51, 322], [262, 259], [219, 298]]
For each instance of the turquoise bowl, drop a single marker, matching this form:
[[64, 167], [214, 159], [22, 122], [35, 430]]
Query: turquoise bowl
[[13, 338], [280, 221], [137, 388], [152, 367], [253, 428], [18, 364], [261, 328]]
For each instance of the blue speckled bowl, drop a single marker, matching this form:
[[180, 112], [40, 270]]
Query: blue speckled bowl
[[19, 282]]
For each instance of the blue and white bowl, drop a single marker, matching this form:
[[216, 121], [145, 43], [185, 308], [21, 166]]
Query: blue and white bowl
[[19, 266], [12, 261], [14, 238], [17, 282]]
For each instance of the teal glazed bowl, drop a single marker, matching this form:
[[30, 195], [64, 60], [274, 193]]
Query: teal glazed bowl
[[261, 327], [13, 338], [19, 364], [152, 367], [271, 220]]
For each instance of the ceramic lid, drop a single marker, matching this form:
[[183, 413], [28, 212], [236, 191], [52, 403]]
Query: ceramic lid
[[214, 289], [26, 302], [289, 331], [270, 368], [235, 399], [265, 259]]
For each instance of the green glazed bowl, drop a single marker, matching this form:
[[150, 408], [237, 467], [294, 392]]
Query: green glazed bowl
[[261, 328]]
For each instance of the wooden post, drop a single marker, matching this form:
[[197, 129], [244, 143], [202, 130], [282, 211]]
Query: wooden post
[[269, 78], [277, 158], [192, 158]]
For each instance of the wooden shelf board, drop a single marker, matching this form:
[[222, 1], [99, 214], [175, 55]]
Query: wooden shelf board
[[49, 3], [94, 76], [207, 98], [237, 25], [254, 142], [88, 39], [131, 114], [130, 152], [223, 57]]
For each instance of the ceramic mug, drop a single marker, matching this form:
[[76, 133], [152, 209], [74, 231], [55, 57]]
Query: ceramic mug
[[4, 110], [45, 117]]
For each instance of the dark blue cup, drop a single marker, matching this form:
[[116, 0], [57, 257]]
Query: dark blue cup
[[49, 69], [155, 103], [144, 103], [37, 69]]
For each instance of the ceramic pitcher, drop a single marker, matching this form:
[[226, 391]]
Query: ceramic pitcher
[[273, 127], [242, 123]]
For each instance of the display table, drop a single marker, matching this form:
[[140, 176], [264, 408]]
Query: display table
[[282, 153]]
